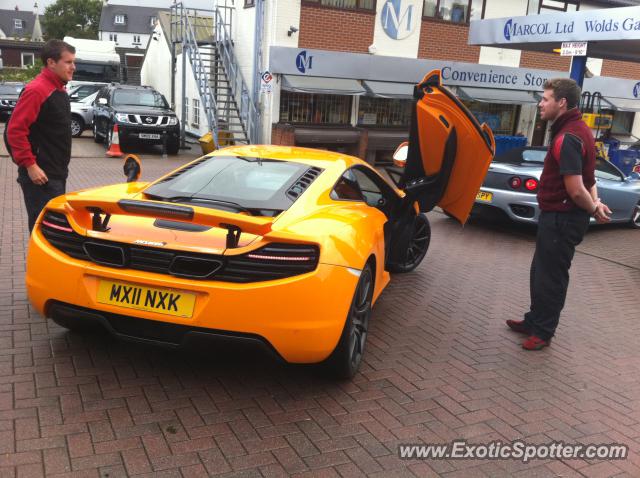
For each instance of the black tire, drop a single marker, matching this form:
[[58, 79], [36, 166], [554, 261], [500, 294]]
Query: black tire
[[96, 137], [346, 358], [77, 126], [418, 246], [173, 148], [635, 217]]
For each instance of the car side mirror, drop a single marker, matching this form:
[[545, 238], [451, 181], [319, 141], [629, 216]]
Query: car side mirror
[[74, 97], [132, 168], [400, 155], [102, 101]]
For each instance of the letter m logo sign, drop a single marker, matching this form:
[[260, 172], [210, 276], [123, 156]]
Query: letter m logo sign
[[397, 18]]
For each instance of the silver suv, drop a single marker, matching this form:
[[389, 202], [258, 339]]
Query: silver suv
[[82, 114]]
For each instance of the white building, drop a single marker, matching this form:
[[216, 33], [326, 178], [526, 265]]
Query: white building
[[339, 74]]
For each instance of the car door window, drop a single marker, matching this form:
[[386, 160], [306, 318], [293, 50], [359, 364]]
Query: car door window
[[605, 170], [347, 189], [370, 190]]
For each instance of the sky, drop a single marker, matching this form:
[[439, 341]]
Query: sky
[[42, 4]]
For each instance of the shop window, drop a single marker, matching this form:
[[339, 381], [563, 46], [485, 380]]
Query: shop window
[[27, 59], [622, 122], [196, 112], [454, 11], [536, 7], [384, 112], [314, 109], [369, 5], [500, 118]]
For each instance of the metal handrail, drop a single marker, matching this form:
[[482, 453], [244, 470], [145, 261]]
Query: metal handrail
[[239, 89], [182, 31]]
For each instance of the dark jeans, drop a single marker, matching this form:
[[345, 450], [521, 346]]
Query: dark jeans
[[558, 235], [36, 197]]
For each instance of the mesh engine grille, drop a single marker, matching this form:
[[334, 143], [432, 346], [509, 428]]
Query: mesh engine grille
[[269, 262]]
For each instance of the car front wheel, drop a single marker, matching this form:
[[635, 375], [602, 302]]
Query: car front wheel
[[635, 217], [77, 126], [347, 356], [96, 137], [417, 247]]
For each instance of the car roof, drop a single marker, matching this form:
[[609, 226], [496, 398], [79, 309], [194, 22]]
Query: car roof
[[118, 86], [313, 157]]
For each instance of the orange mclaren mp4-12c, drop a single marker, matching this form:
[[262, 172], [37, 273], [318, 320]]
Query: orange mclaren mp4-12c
[[285, 247]]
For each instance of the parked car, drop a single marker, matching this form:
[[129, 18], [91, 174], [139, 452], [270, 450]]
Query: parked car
[[282, 247], [9, 93], [81, 90], [142, 114], [82, 114], [512, 181]]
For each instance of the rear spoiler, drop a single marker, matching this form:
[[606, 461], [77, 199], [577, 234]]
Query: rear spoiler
[[94, 214]]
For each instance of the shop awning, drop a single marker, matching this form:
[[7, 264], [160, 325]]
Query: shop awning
[[495, 95], [320, 85], [621, 104], [386, 89]]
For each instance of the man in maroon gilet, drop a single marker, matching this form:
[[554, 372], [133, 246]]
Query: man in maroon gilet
[[567, 197]]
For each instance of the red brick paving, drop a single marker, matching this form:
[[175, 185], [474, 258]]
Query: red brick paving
[[440, 366]]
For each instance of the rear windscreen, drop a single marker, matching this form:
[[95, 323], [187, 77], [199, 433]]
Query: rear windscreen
[[249, 182]]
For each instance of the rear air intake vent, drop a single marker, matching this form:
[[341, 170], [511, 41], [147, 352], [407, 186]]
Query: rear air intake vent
[[303, 183], [183, 170], [57, 230]]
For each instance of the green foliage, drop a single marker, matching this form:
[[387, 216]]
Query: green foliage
[[76, 18], [21, 74]]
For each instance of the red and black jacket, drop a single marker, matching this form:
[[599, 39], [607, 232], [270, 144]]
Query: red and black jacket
[[572, 151], [39, 128]]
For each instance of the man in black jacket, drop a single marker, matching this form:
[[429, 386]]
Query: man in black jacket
[[39, 131]]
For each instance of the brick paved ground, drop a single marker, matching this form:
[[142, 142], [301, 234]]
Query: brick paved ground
[[440, 365]]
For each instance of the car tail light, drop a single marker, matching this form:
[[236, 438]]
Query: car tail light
[[57, 221], [270, 262], [515, 182], [531, 184]]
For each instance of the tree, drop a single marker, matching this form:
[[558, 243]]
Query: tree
[[76, 18]]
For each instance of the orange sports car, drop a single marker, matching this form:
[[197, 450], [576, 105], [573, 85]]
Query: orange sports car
[[284, 247]]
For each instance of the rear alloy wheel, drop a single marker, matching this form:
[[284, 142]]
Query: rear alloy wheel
[[347, 356], [417, 248], [635, 217], [77, 126]]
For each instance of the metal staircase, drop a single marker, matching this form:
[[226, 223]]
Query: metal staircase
[[205, 37]]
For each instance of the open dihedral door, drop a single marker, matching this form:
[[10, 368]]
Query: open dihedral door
[[449, 151]]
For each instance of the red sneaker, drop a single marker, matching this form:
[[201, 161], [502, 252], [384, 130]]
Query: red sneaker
[[535, 343], [517, 326]]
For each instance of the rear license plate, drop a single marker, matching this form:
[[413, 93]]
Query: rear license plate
[[148, 136], [132, 296], [484, 196]]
